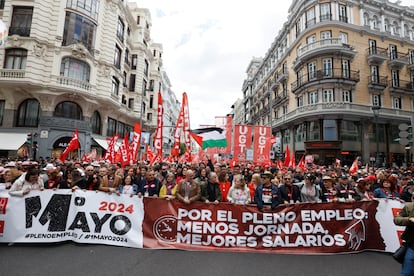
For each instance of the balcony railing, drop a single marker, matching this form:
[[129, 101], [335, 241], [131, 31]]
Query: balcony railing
[[326, 75], [402, 85], [377, 51], [12, 73], [321, 43], [74, 83], [378, 80]]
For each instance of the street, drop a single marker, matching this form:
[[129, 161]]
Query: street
[[70, 258]]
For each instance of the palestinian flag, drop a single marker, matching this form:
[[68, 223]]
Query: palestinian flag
[[210, 137]]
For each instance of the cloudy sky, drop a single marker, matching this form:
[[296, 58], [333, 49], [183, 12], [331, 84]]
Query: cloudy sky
[[209, 44]]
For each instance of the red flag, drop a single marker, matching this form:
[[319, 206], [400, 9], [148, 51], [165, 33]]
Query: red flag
[[177, 133], [110, 153], [135, 143], [354, 167], [124, 149], [85, 158], [279, 164], [158, 133], [287, 157], [186, 125], [273, 140], [92, 155], [242, 141], [261, 154], [301, 163], [197, 138], [292, 163], [73, 145], [337, 162]]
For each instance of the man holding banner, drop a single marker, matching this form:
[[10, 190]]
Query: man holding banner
[[267, 195]]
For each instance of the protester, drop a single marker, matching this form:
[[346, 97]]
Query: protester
[[387, 189], [309, 191], [10, 175], [406, 218], [31, 182], [78, 179], [54, 180], [363, 189], [267, 195], [169, 187], [127, 187], [239, 193], [224, 184], [188, 189], [328, 189], [290, 192], [210, 191], [254, 182], [345, 191], [407, 194]]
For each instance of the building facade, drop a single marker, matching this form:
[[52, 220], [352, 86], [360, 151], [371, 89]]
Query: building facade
[[71, 64], [337, 82]]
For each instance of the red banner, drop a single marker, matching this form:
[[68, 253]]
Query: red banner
[[298, 229], [177, 132], [73, 145], [186, 126], [158, 134], [262, 135], [135, 143], [242, 141]]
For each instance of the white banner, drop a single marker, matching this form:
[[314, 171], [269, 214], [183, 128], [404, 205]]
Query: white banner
[[80, 216]]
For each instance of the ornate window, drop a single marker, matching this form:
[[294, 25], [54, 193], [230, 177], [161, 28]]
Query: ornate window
[[96, 123], [79, 29], [15, 58], [75, 69], [28, 113], [68, 110]]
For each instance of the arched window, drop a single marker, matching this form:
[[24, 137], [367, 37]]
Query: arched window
[[96, 123], [69, 110], [28, 113], [75, 69], [366, 19]]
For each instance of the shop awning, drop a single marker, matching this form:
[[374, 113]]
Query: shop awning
[[12, 141], [102, 142]]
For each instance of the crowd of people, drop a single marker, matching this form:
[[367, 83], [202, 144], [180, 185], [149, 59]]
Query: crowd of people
[[244, 183]]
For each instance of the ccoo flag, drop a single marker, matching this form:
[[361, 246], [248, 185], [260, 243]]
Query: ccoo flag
[[210, 137]]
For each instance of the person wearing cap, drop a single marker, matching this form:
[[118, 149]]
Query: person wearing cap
[[345, 191], [267, 195], [290, 192], [408, 192], [328, 189], [31, 182], [78, 181], [363, 188]]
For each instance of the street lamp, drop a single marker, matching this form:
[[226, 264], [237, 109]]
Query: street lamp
[[376, 110]]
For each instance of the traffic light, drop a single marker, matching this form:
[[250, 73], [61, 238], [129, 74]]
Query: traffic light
[[29, 139]]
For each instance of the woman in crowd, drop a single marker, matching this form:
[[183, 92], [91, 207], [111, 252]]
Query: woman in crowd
[[255, 181], [202, 176], [387, 189], [309, 191], [239, 193], [127, 187], [31, 182], [223, 180], [363, 188], [169, 187], [10, 175]]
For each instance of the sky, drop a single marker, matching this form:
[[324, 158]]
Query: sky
[[209, 44]]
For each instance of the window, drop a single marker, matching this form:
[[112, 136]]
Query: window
[[330, 132], [15, 59], [87, 7], [374, 74], [376, 100], [146, 68], [312, 70], [314, 131], [120, 29], [21, 21], [286, 136], [28, 113], [2, 106], [68, 110], [342, 14], [343, 37], [349, 131], [2, 4], [372, 46], [96, 124], [149, 116], [151, 102], [325, 10], [310, 41], [393, 52], [79, 29], [134, 62], [347, 96], [111, 129], [411, 56], [298, 27], [117, 57], [115, 86], [345, 68], [138, 19], [127, 57], [366, 20], [132, 79], [375, 22], [299, 101], [327, 67], [123, 100], [131, 103], [313, 97], [310, 17], [300, 133], [396, 103], [285, 110], [328, 96], [326, 38], [395, 75], [75, 69]]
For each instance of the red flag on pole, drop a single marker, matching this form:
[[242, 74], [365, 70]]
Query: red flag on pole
[[135, 143], [158, 133], [110, 153], [301, 163], [73, 145], [287, 157], [125, 151], [177, 133], [354, 167], [292, 161]]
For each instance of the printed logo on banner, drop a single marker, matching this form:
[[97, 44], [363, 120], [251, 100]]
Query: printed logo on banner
[[3, 205], [1, 226], [356, 234], [165, 229]]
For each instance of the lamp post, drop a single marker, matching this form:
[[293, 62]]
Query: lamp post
[[376, 110]]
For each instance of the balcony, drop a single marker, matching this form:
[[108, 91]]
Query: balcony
[[328, 76], [11, 74], [397, 60], [322, 47], [377, 82], [75, 84], [377, 55], [279, 100], [401, 86]]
